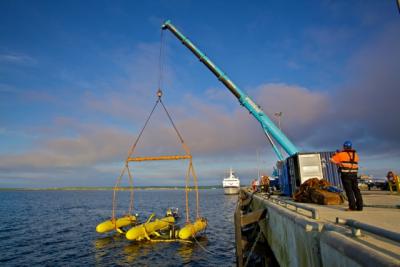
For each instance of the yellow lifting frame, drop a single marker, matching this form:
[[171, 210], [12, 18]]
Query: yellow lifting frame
[[174, 157], [190, 171]]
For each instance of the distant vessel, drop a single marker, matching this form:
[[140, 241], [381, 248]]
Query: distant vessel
[[231, 184]]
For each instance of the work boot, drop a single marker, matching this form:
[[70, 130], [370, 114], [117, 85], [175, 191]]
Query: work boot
[[348, 209]]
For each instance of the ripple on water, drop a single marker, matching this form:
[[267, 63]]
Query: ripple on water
[[58, 228]]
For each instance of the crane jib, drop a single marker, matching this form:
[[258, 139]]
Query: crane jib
[[268, 126], [203, 58]]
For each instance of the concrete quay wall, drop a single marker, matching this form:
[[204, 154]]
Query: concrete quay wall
[[297, 240]]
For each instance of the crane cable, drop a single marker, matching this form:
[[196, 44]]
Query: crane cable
[[185, 147], [190, 170], [126, 168], [161, 61]]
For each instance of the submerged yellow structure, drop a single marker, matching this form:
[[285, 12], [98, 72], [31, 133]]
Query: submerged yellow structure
[[149, 229], [111, 225], [155, 229], [191, 229]]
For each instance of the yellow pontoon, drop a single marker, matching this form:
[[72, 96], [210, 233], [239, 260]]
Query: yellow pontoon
[[147, 229], [115, 224], [191, 229]]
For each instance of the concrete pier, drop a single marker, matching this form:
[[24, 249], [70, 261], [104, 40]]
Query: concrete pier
[[302, 234]]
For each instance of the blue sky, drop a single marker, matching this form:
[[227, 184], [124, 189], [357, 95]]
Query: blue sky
[[77, 80]]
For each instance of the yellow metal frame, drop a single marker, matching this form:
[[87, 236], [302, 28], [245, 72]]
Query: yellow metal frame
[[173, 157], [187, 156]]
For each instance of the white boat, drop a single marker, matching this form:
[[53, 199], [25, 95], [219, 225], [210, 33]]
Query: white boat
[[231, 184]]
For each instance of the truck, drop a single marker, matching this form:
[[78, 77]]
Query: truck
[[296, 167]]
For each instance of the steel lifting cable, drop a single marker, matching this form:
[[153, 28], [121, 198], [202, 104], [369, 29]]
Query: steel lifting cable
[[185, 147], [161, 61], [196, 186], [131, 190], [116, 187], [190, 170], [131, 151], [187, 194], [188, 174], [141, 131], [126, 167]]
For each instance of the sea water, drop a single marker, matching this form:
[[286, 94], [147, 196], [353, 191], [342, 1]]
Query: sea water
[[57, 228]]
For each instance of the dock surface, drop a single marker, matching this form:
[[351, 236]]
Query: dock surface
[[382, 209], [304, 234]]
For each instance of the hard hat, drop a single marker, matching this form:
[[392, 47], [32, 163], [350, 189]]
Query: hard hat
[[347, 145]]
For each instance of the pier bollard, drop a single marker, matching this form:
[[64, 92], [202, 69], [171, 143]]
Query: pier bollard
[[315, 214], [308, 228], [355, 232]]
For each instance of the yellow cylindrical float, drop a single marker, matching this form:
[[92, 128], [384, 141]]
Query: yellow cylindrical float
[[191, 229], [110, 225], [145, 230]]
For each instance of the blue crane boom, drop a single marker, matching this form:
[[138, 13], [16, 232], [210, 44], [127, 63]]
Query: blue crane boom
[[266, 123]]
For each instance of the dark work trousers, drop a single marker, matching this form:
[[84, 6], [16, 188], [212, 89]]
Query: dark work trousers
[[350, 184]]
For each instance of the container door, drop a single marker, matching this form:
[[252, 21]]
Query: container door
[[310, 166]]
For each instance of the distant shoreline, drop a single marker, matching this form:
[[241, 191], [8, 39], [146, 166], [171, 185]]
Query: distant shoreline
[[107, 188]]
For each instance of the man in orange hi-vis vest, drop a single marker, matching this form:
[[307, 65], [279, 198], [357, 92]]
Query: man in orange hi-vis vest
[[347, 161]]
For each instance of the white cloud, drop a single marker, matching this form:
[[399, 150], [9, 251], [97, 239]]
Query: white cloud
[[17, 58]]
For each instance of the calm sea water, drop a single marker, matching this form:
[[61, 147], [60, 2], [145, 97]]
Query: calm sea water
[[57, 228]]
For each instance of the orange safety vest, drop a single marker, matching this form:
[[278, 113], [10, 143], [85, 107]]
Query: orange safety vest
[[264, 180], [347, 160], [393, 179]]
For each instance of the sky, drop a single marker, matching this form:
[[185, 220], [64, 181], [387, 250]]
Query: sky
[[79, 78]]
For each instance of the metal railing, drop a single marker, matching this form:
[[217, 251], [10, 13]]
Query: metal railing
[[296, 206], [356, 226]]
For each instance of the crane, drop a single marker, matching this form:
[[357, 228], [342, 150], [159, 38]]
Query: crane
[[270, 129], [298, 166]]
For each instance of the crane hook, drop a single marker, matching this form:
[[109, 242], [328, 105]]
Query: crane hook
[[159, 93]]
